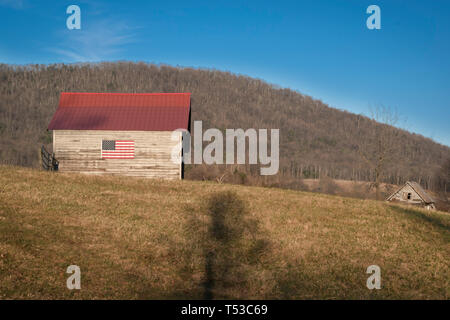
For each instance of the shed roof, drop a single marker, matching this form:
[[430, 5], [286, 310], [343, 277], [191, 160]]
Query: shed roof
[[122, 111], [418, 188]]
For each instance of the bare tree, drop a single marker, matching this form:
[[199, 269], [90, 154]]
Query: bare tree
[[442, 177], [377, 142]]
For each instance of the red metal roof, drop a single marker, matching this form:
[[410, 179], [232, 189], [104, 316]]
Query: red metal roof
[[122, 111]]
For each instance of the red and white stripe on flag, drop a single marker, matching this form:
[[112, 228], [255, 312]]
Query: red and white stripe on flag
[[122, 149]]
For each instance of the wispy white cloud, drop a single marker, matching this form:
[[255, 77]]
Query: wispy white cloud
[[15, 4], [103, 39]]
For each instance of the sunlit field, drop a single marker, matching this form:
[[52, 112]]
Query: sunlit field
[[155, 239]]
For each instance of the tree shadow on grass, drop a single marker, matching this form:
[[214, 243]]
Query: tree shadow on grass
[[230, 243]]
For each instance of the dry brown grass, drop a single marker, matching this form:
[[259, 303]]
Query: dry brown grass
[[135, 238]]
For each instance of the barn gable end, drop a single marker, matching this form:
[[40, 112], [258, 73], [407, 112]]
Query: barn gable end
[[412, 193]]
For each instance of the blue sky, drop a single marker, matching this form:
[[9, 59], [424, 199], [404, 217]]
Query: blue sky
[[321, 48]]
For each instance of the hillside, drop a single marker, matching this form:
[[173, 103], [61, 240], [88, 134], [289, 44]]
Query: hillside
[[136, 238], [315, 140]]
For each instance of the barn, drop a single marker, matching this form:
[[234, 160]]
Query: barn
[[126, 134], [412, 193]]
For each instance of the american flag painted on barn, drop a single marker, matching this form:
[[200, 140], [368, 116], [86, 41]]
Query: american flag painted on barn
[[117, 149]]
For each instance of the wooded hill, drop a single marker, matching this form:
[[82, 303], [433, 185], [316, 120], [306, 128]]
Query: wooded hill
[[315, 140]]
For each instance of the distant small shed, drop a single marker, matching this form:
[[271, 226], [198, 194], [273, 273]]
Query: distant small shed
[[120, 133], [412, 193]]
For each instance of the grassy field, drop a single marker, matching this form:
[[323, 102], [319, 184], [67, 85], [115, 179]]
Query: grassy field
[[151, 239]]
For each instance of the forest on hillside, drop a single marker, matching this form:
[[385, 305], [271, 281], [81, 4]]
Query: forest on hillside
[[316, 141]]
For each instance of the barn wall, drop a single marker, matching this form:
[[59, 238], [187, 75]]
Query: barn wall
[[402, 193], [80, 151]]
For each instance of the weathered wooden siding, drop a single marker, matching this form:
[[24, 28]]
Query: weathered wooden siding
[[402, 195], [80, 151]]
